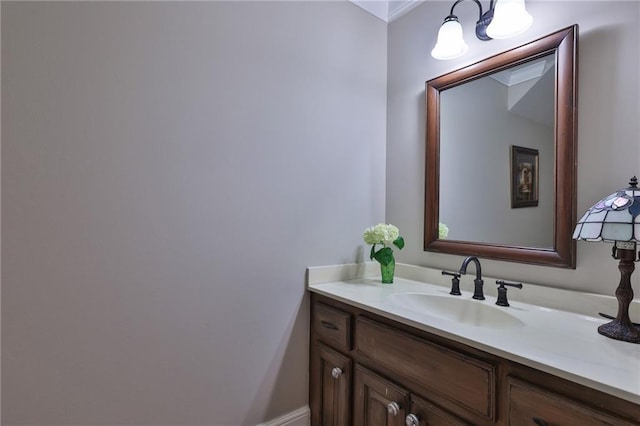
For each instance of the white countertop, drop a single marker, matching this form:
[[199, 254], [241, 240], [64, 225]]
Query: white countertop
[[564, 343]]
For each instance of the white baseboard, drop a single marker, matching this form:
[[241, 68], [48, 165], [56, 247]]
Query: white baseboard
[[299, 417]]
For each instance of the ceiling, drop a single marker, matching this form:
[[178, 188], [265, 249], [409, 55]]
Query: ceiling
[[387, 10]]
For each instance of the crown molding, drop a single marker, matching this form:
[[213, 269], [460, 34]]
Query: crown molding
[[387, 10]]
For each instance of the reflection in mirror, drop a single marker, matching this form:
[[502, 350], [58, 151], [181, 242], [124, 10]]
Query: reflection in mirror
[[500, 165], [516, 110]]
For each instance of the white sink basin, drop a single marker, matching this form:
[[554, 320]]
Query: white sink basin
[[455, 308]]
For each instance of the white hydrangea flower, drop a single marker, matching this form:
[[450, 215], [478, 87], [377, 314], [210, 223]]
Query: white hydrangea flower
[[381, 234], [443, 230], [389, 232], [372, 235]]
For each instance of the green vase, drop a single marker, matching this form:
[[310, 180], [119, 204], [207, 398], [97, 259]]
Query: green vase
[[387, 271]]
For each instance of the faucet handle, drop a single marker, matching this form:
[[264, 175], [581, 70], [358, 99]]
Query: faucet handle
[[502, 291], [503, 283], [455, 282]]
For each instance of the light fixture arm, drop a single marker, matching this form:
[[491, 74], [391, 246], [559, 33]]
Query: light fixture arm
[[484, 18]]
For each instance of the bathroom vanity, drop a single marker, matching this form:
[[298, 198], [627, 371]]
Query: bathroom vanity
[[386, 355]]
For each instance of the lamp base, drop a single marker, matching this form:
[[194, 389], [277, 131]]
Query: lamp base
[[620, 331], [622, 328]]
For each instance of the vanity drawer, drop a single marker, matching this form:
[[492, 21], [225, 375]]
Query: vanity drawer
[[532, 405], [332, 325], [459, 378]]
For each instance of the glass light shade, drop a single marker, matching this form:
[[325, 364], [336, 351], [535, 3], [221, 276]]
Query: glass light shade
[[450, 42], [614, 218], [510, 18]]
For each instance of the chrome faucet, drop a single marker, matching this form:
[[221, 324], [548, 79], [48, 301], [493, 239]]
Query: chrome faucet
[[478, 283]]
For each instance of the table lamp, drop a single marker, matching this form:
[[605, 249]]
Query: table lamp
[[616, 218]]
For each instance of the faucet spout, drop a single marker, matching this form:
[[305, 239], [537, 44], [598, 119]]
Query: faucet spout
[[478, 282], [465, 263]]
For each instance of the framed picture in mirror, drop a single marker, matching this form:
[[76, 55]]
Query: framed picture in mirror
[[524, 177]]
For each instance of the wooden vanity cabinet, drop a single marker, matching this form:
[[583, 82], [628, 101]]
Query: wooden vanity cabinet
[[368, 372], [394, 374]]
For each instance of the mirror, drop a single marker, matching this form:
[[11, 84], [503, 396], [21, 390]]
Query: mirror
[[501, 155]]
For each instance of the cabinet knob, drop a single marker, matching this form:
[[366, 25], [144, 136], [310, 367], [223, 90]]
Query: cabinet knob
[[538, 421], [412, 420], [393, 408], [336, 372]]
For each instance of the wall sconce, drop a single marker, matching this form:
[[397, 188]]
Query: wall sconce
[[616, 218], [505, 19]]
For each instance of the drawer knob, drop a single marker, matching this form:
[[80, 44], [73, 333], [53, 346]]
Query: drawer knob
[[411, 420], [336, 372], [538, 421], [393, 408]]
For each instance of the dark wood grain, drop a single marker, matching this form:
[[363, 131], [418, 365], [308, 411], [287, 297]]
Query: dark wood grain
[[461, 379], [430, 414], [372, 396], [332, 400], [530, 405], [332, 326]]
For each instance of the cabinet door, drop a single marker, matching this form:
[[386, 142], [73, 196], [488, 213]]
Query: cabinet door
[[330, 397], [424, 413], [531, 405], [378, 402]]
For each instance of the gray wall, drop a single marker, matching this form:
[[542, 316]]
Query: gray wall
[[169, 170], [608, 129]]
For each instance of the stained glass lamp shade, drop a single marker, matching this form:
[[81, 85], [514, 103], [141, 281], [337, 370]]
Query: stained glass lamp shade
[[616, 218]]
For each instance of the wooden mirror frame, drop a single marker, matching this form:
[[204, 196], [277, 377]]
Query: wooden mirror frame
[[564, 44]]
